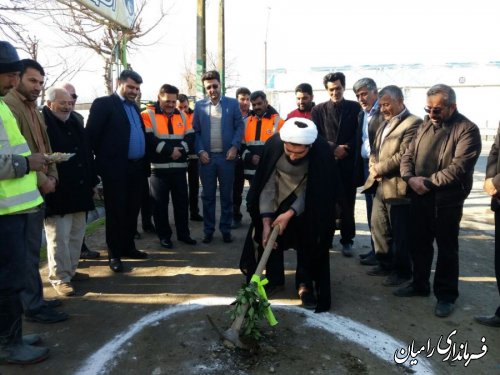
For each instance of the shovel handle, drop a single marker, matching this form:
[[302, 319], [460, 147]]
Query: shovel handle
[[267, 251], [232, 334]]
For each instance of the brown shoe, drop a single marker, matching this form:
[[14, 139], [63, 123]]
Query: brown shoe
[[64, 289]]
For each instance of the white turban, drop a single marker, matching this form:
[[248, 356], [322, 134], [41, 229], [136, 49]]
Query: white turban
[[299, 130]]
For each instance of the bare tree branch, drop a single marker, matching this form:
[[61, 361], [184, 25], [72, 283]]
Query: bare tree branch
[[83, 27]]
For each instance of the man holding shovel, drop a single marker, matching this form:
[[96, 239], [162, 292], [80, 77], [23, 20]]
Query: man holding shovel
[[294, 186]]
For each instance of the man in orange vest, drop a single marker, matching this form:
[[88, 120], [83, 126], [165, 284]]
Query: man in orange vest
[[262, 123], [167, 130]]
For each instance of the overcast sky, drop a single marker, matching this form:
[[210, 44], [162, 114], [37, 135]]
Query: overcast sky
[[305, 34]]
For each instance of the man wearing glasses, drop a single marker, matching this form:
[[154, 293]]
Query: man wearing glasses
[[85, 253], [218, 126], [438, 167]]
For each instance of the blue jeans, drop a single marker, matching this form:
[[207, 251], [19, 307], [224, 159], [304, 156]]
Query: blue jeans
[[218, 170]]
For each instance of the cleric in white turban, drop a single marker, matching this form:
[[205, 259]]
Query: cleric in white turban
[[300, 131], [295, 186]]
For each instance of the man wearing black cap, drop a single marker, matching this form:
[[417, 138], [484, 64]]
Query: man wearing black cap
[[294, 186], [18, 196], [22, 101]]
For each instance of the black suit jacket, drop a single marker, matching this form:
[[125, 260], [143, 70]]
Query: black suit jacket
[[344, 133], [109, 134], [375, 122]]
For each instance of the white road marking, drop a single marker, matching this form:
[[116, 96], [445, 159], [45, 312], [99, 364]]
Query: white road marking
[[376, 342]]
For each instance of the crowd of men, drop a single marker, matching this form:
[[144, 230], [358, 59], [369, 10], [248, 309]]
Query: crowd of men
[[303, 174]]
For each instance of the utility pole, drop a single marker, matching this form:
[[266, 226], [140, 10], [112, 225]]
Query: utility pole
[[201, 47], [222, 50]]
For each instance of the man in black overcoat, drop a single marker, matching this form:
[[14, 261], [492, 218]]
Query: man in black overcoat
[[305, 215]]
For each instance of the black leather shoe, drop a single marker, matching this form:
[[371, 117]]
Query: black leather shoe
[[227, 238], [167, 244], [196, 217], [366, 255], [52, 303], [490, 321], [208, 238], [23, 354], [307, 298], [236, 224], [32, 339], [370, 260], [444, 309], [149, 228], [347, 250], [394, 280], [378, 271], [45, 315], [89, 254], [188, 240], [116, 265], [410, 291], [137, 254]]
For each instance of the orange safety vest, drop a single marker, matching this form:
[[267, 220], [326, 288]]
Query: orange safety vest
[[269, 126], [157, 123], [250, 145]]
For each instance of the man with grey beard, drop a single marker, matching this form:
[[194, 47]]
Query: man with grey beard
[[67, 206], [86, 253]]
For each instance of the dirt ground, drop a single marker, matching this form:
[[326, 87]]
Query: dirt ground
[[150, 320]]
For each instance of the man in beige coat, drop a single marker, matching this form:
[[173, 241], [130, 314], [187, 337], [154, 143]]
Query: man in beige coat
[[391, 207]]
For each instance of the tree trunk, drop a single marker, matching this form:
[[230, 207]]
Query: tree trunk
[[108, 75]]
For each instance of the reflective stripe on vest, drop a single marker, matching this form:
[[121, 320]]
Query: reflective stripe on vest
[[154, 126], [168, 165], [16, 194], [166, 136]]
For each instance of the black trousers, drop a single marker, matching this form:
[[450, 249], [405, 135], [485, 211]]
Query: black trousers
[[238, 185], [428, 223], [146, 205], [194, 186], [13, 250], [391, 235], [162, 186], [497, 254], [345, 212], [122, 202]]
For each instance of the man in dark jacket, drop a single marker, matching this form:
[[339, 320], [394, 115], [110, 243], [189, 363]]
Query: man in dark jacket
[[337, 121], [172, 139], [86, 253], [263, 121], [369, 120], [492, 188], [67, 206], [117, 136], [294, 186], [438, 167]]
